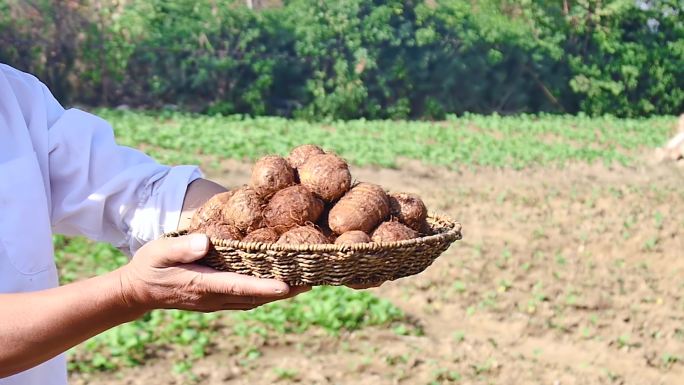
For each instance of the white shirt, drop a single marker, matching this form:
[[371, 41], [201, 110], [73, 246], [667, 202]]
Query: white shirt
[[62, 172]]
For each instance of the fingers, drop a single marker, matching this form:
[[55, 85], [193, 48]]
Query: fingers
[[256, 300], [244, 285], [215, 281], [247, 303], [168, 252], [224, 302]]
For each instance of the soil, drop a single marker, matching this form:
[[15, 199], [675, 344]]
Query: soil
[[564, 276]]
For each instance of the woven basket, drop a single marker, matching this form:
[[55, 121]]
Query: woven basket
[[332, 264]]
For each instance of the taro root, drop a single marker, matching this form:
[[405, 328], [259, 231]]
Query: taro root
[[325, 175], [325, 230], [354, 236], [409, 209], [265, 235], [291, 207], [211, 210], [271, 174], [362, 208], [307, 198], [426, 229], [300, 154], [392, 231], [303, 235], [219, 230], [244, 210]]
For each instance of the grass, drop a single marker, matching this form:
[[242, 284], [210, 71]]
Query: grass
[[494, 141]]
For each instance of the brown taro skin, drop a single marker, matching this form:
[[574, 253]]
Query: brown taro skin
[[300, 154], [325, 230], [392, 231], [218, 230], [361, 208], [326, 175], [291, 207], [244, 210], [265, 235], [303, 235], [426, 229], [271, 174], [211, 210], [409, 209], [354, 236]]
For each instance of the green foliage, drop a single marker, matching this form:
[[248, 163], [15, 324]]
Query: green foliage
[[496, 141], [630, 60], [356, 58], [334, 309], [130, 344], [218, 56], [78, 257]]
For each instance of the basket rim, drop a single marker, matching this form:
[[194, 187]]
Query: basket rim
[[454, 233]]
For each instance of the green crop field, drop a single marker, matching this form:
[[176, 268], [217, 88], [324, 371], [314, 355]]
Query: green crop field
[[517, 142], [471, 141]]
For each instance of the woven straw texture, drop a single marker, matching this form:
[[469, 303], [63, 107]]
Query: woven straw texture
[[334, 264]]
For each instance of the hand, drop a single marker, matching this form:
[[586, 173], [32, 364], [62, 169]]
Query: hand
[[162, 275]]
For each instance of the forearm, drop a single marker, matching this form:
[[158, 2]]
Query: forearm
[[198, 192], [37, 326]]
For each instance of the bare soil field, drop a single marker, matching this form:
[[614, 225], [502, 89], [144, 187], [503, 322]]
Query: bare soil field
[[564, 276]]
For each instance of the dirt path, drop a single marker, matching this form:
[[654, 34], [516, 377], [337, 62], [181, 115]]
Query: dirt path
[[563, 277]]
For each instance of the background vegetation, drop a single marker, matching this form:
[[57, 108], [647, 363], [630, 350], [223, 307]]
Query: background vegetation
[[471, 141], [219, 80], [355, 58]]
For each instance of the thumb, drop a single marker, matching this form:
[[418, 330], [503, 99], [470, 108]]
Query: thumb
[[166, 252]]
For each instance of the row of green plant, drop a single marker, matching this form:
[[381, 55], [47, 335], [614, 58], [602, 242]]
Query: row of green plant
[[356, 58], [471, 140]]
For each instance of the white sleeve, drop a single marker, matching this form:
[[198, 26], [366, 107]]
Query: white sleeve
[[108, 192]]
